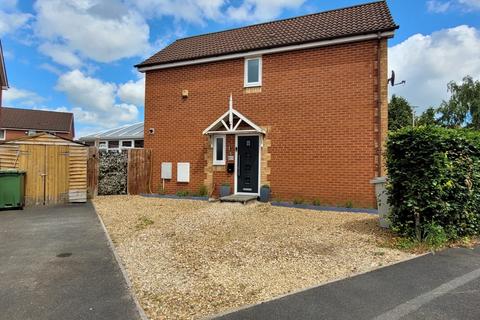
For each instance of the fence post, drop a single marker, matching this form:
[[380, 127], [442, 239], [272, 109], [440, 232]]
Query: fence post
[[92, 172]]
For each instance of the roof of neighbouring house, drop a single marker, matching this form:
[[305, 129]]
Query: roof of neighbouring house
[[131, 131], [25, 119], [3, 70], [356, 20]]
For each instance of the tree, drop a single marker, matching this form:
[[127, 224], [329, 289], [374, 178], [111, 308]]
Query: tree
[[427, 117], [463, 107], [400, 113]]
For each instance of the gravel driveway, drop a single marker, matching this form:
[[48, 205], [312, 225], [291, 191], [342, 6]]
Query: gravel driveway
[[189, 259]]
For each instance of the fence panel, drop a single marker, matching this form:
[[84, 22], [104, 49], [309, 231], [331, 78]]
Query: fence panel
[[139, 171]]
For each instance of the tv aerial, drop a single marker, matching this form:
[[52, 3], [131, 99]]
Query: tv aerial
[[392, 80]]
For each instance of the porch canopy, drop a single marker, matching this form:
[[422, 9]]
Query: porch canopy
[[232, 122]]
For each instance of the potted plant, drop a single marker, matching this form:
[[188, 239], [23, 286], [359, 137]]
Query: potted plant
[[265, 193], [224, 189]]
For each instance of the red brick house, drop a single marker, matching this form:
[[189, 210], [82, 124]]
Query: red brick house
[[16, 123], [298, 104]]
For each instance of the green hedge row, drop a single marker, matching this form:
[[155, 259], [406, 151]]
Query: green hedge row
[[434, 180]]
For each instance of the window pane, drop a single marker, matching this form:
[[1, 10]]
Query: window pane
[[126, 144], [102, 144], [138, 143], [2, 134], [112, 144], [219, 155], [253, 70]]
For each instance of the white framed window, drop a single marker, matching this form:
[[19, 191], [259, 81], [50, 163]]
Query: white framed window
[[3, 134], [253, 72], [102, 145], [126, 144], [219, 144]]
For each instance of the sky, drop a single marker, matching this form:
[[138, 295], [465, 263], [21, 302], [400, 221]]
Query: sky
[[79, 55]]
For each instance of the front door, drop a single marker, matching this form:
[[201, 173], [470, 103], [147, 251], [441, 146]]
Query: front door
[[247, 164]]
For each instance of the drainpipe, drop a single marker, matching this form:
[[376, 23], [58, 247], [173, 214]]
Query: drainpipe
[[379, 106]]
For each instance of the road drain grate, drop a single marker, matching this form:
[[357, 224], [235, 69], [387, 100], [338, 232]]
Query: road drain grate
[[64, 255]]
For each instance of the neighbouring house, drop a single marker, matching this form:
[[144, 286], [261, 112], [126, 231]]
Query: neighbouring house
[[3, 76], [125, 137], [16, 123], [298, 104]]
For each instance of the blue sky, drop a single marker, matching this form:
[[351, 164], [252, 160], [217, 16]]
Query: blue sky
[[78, 55]]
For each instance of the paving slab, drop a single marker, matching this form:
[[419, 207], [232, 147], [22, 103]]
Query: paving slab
[[56, 263]]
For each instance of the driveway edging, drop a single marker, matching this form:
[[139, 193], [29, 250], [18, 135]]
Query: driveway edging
[[140, 310]]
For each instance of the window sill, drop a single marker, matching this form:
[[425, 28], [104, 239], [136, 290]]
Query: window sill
[[252, 89]]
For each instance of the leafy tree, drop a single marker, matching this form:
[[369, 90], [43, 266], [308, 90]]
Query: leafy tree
[[427, 117], [399, 113], [463, 107]]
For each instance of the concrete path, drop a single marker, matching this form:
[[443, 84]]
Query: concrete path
[[55, 263], [441, 286]]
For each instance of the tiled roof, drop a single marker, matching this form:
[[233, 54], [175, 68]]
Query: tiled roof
[[50, 121], [131, 131], [357, 20]]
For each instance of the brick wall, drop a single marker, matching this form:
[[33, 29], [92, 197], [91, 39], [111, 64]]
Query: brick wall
[[319, 106], [14, 134]]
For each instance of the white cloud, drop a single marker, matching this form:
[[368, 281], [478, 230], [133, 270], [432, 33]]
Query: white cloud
[[21, 97], [60, 54], [472, 4], [181, 10], [442, 6], [438, 6], [429, 62], [95, 101], [261, 10], [50, 68], [10, 19], [133, 92], [101, 30]]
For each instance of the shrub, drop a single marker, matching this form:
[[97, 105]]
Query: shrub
[[298, 200], [202, 191], [349, 204], [434, 182], [183, 193], [316, 202]]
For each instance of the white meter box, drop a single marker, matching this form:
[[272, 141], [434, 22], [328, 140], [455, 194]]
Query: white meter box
[[166, 170], [183, 172]]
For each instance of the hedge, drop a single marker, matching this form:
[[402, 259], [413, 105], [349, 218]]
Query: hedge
[[434, 180], [112, 177]]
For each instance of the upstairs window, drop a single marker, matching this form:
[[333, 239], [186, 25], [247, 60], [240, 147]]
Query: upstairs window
[[219, 150], [253, 72]]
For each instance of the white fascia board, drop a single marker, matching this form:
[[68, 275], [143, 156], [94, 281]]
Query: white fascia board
[[316, 44]]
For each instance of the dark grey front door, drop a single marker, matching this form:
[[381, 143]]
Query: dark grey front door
[[247, 164]]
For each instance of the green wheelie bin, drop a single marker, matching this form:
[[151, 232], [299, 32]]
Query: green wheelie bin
[[12, 189]]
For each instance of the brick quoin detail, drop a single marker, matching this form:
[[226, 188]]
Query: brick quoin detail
[[320, 108]]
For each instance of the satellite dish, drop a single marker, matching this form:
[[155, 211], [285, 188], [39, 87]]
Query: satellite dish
[[392, 80]]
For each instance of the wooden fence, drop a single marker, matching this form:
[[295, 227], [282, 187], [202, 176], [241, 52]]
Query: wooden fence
[[139, 171]]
